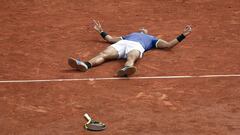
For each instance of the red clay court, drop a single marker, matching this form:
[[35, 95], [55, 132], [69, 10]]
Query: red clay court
[[172, 93]]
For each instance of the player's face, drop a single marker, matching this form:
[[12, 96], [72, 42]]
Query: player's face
[[145, 31]]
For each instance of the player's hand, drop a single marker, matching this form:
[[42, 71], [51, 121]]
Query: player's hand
[[97, 26], [187, 30]]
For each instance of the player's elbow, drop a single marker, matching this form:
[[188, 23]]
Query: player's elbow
[[166, 45], [169, 46], [111, 40]]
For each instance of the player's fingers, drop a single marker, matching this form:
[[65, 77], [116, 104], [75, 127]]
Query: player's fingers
[[188, 27], [99, 24], [95, 22]]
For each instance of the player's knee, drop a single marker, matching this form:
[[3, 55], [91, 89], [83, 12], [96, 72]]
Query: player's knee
[[164, 45], [168, 45], [103, 55], [132, 57]]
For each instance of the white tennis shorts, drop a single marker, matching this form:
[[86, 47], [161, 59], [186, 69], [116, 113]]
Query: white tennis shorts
[[125, 46]]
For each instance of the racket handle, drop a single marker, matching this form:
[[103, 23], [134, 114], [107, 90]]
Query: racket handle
[[87, 117]]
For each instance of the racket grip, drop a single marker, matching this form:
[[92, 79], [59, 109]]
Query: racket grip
[[87, 117]]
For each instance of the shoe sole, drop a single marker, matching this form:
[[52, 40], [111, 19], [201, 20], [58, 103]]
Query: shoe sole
[[125, 73], [73, 63]]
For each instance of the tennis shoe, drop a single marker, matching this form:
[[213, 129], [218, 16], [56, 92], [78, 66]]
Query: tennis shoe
[[77, 64], [126, 71]]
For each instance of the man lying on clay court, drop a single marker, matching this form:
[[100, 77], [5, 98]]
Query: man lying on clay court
[[130, 47]]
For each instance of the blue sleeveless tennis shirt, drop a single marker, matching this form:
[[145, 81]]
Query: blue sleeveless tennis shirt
[[147, 41]]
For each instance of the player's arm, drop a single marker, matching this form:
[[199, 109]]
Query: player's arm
[[164, 44], [107, 37]]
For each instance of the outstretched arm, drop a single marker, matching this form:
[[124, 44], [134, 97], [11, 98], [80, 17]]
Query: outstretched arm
[[108, 38], [164, 44]]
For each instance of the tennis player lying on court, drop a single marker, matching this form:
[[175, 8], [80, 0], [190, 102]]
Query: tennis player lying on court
[[130, 47]]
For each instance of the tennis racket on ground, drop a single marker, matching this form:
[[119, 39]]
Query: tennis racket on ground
[[93, 125]]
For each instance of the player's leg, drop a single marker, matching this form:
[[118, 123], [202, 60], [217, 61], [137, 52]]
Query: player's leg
[[129, 67], [133, 52], [108, 54], [132, 57]]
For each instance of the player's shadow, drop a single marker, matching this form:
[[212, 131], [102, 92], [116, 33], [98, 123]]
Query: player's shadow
[[97, 41], [165, 49], [69, 71], [119, 63]]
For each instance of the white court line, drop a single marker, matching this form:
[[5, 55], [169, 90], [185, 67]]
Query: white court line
[[118, 78]]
